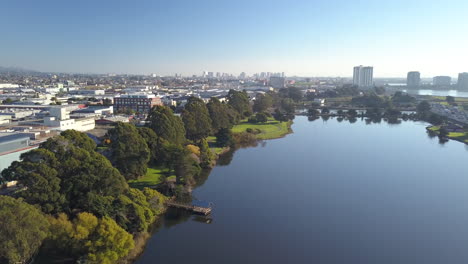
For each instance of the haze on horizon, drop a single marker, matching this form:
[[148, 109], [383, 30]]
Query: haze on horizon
[[300, 37]]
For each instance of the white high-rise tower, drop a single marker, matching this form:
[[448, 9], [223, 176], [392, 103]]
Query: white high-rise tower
[[363, 76]]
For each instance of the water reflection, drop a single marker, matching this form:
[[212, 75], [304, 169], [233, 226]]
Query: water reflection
[[407, 201]]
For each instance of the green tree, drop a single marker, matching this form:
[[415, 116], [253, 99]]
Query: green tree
[[443, 132], [423, 107], [7, 101], [79, 139], [313, 112], [262, 102], [97, 240], [219, 114], [196, 119], [206, 156], [288, 106], [154, 143], [129, 152], [261, 117], [224, 137], [38, 172], [108, 243], [295, 94], [167, 125], [240, 102], [450, 99], [23, 228]]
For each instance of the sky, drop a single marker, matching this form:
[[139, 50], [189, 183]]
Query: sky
[[298, 37]]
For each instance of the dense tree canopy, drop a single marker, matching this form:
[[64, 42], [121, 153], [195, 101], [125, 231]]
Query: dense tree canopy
[[423, 107], [97, 240], [154, 142], [61, 177], [79, 139], [262, 102], [219, 114], [196, 119], [240, 102], [402, 98], [23, 228], [369, 100], [224, 137], [167, 125], [129, 152], [293, 93]]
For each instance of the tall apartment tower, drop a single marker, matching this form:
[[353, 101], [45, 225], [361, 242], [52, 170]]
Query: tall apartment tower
[[463, 81], [413, 79], [363, 76]]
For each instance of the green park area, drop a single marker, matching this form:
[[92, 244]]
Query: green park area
[[153, 177], [269, 130]]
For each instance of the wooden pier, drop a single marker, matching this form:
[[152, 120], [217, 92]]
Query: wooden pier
[[189, 207]]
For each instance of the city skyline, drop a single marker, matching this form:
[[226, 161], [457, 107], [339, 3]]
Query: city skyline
[[303, 38]]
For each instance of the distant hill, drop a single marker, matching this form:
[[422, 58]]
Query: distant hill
[[15, 70]]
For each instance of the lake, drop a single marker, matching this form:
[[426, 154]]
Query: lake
[[331, 192]]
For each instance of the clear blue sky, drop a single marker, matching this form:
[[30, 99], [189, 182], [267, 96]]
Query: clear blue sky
[[299, 37]]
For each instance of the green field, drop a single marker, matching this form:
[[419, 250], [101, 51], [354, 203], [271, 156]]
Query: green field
[[270, 130], [153, 177]]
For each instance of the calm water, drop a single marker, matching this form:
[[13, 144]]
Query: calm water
[[332, 192]]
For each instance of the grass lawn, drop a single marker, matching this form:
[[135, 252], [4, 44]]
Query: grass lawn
[[153, 177], [270, 130], [463, 137], [459, 136]]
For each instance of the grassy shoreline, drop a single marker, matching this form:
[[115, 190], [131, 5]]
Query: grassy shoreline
[[457, 136], [270, 130]]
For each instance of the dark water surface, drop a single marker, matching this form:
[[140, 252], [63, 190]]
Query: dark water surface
[[332, 192]]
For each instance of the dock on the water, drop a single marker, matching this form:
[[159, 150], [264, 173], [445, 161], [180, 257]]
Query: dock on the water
[[204, 209]]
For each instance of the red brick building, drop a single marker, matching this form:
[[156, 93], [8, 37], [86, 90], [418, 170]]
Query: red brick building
[[140, 103]]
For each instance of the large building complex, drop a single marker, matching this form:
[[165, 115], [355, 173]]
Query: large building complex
[[138, 102], [277, 82], [59, 119], [463, 81], [442, 81], [413, 79], [363, 76]]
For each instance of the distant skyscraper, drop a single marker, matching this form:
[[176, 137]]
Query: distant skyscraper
[[463, 81], [363, 76], [442, 81], [413, 79]]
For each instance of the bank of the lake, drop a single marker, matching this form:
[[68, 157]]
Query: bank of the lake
[[331, 192], [460, 136], [270, 130]]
